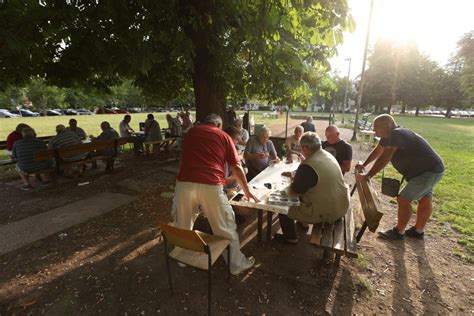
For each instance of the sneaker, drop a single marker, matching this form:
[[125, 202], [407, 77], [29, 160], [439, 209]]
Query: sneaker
[[283, 239], [392, 234], [181, 265], [248, 263], [411, 232], [26, 187]]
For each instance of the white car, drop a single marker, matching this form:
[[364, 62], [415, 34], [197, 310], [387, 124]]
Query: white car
[[6, 114]]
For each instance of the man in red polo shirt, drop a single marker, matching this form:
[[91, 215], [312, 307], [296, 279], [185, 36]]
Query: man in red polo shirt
[[199, 185]]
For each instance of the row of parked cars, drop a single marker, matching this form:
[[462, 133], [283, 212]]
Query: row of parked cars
[[56, 112]]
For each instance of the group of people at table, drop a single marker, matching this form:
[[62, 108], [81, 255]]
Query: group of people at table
[[22, 143], [210, 164]]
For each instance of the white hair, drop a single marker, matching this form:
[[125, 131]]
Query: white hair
[[311, 141], [265, 130]]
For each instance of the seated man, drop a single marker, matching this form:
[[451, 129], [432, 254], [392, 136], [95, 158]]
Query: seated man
[[126, 131], [259, 151], [175, 126], [65, 138], [243, 135], [152, 133], [107, 133], [13, 137], [24, 151], [292, 144], [76, 130], [308, 126], [318, 182], [341, 150]]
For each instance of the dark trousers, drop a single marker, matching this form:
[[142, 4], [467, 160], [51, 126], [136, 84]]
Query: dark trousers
[[287, 226]]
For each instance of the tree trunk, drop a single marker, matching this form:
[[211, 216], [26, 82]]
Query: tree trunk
[[448, 112], [404, 108], [389, 109], [209, 90], [417, 110]]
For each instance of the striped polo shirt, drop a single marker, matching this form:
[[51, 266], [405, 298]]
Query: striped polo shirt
[[24, 153], [66, 139]]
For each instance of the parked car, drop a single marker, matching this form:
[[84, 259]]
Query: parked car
[[53, 113], [70, 112], [7, 114], [84, 112], [120, 111], [105, 111], [23, 112]]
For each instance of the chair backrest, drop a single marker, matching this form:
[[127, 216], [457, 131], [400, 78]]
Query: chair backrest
[[370, 203], [187, 239]]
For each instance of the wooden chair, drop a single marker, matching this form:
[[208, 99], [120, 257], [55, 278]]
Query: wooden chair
[[194, 248]]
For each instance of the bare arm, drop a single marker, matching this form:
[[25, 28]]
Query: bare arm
[[238, 172], [376, 152], [346, 165], [382, 161]]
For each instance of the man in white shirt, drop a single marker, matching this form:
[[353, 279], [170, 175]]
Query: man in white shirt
[[124, 128]]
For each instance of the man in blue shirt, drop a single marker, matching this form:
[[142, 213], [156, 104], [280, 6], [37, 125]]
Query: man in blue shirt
[[416, 160]]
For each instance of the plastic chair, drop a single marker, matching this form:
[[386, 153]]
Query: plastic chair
[[194, 248]]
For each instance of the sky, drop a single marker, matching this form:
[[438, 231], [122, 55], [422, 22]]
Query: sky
[[435, 25]]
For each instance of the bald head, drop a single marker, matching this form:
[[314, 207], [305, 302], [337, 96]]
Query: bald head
[[332, 134], [383, 125]]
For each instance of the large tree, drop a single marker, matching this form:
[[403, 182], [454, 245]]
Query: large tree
[[274, 49], [465, 57]]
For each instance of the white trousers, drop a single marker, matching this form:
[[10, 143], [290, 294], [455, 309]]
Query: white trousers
[[190, 198]]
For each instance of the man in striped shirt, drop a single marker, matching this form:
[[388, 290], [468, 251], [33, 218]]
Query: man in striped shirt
[[24, 154], [65, 138]]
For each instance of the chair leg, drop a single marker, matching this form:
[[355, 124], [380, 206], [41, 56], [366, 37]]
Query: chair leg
[[209, 267], [168, 266], [228, 262]]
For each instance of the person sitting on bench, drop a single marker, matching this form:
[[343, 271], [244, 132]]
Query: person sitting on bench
[[76, 130], [107, 133], [13, 137], [259, 151], [324, 197], [24, 151], [292, 144], [339, 148], [152, 133], [308, 125]]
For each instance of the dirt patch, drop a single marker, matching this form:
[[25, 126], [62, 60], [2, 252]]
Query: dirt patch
[[114, 263]]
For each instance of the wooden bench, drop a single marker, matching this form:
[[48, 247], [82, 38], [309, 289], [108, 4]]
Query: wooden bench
[[337, 237], [3, 146], [164, 144], [60, 155]]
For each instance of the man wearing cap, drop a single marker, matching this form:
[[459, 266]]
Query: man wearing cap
[[319, 183]]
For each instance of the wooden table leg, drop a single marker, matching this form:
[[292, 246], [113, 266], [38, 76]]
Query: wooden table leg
[[269, 226], [259, 224]]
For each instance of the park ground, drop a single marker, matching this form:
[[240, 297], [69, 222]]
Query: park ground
[[114, 264]]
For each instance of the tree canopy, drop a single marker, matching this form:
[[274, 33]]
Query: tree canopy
[[276, 50]]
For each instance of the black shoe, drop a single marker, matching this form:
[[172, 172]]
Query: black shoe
[[282, 239], [411, 232], [392, 234]]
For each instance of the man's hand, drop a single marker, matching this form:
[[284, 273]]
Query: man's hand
[[362, 177], [262, 155], [250, 196], [288, 174], [276, 160], [359, 166]]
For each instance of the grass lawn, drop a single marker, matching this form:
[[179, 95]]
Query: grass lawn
[[453, 139]]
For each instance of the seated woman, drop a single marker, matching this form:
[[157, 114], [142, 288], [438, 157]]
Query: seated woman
[[292, 144], [24, 151], [152, 134]]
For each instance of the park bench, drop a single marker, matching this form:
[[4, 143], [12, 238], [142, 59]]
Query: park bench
[[339, 237], [60, 155], [270, 115], [315, 117], [3, 146], [162, 145], [364, 124]]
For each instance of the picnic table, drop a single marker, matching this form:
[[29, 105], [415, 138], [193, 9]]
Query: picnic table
[[262, 186]]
